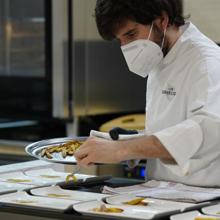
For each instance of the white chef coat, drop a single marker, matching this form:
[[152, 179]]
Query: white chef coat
[[183, 110]]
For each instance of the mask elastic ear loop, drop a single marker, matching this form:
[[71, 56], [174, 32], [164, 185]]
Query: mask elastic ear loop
[[151, 29], [164, 34]]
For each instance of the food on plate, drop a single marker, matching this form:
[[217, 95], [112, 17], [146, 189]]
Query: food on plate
[[18, 181], [202, 217], [71, 177], [66, 149], [24, 201], [53, 195], [103, 208], [50, 176], [137, 201]]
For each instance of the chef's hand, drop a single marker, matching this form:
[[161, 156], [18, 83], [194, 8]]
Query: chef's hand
[[98, 150]]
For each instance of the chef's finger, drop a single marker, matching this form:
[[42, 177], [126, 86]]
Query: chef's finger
[[86, 161], [80, 154]]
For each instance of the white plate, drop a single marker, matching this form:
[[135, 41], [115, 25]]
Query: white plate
[[41, 177], [18, 199], [128, 213], [67, 194], [47, 175], [35, 149], [51, 176], [212, 210], [19, 176], [185, 216], [160, 206], [11, 187], [191, 216]]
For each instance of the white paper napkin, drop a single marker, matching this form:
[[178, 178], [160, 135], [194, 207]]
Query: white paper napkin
[[106, 135]]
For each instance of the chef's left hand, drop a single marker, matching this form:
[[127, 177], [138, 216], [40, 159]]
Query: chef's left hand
[[98, 150]]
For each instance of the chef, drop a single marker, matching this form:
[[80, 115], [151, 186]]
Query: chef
[[182, 137]]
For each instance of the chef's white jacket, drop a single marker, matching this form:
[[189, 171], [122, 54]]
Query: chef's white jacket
[[183, 111]]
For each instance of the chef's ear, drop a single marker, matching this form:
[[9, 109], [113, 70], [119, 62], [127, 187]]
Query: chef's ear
[[163, 20]]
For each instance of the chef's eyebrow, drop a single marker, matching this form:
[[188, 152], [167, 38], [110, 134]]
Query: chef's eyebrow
[[130, 32]]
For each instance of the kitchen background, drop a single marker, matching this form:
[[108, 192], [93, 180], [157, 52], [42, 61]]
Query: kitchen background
[[59, 78]]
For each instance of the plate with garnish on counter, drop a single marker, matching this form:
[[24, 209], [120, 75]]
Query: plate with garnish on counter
[[159, 205], [212, 210], [194, 215], [99, 208], [59, 193]]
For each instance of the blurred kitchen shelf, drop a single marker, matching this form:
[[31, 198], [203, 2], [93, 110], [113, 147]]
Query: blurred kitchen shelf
[[31, 131]]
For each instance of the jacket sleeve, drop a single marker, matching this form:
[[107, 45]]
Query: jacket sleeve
[[195, 142]]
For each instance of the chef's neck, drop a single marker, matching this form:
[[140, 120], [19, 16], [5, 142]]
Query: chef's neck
[[172, 36]]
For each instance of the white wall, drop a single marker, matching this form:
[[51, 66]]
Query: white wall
[[84, 21], [206, 15]]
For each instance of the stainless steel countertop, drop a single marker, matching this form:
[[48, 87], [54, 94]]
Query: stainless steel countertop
[[11, 147]]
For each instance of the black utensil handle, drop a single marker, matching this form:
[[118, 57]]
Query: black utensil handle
[[114, 132], [85, 182]]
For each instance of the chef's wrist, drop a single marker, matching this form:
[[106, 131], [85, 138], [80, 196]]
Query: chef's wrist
[[142, 148], [126, 150]]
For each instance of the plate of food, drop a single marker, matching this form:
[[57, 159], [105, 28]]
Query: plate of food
[[59, 193], [99, 208], [212, 210], [11, 187], [57, 150], [194, 215], [47, 174], [20, 178], [159, 205], [25, 200]]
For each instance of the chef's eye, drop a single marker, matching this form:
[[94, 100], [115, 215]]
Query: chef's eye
[[131, 36]]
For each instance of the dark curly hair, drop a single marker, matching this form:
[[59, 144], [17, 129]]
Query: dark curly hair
[[110, 14]]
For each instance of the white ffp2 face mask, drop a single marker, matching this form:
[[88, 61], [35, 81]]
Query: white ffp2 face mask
[[142, 56]]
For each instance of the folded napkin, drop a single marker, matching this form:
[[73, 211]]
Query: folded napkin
[[168, 190], [106, 135]]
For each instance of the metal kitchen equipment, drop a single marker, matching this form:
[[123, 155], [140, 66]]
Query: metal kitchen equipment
[[36, 148]]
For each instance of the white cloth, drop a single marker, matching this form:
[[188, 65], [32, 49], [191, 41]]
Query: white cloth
[[168, 191], [106, 135], [183, 110]]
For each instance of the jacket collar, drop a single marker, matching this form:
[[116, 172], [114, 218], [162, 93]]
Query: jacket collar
[[188, 30]]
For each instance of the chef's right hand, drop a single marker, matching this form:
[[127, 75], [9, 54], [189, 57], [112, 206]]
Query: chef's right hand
[[98, 150]]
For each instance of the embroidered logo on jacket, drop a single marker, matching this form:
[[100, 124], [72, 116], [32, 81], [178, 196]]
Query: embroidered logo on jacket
[[169, 91]]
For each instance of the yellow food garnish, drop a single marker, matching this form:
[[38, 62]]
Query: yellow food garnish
[[138, 201], [50, 176], [18, 181], [58, 196], [103, 208], [71, 177], [24, 201], [66, 149], [206, 218]]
